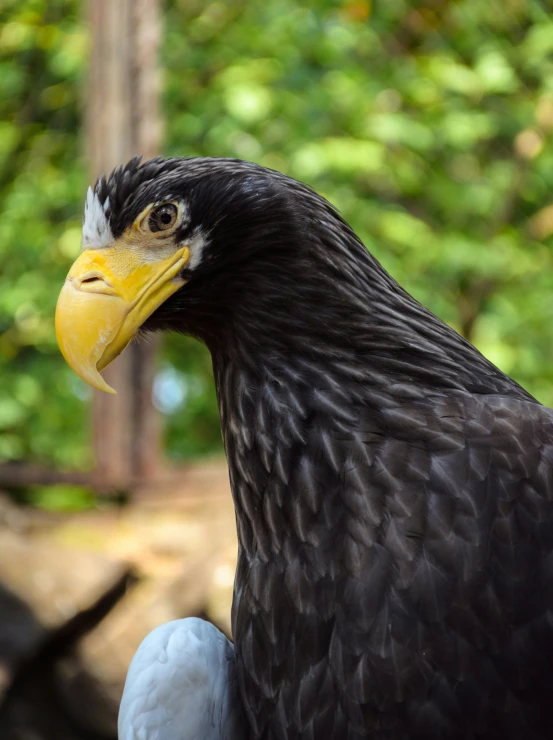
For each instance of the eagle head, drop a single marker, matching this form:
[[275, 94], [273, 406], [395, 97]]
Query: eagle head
[[176, 243]]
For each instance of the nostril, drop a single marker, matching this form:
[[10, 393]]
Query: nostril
[[94, 283]]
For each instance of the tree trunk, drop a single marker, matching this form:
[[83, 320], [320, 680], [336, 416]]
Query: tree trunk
[[122, 119]]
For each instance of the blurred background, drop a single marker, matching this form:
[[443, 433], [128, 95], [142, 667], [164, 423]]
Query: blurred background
[[428, 123]]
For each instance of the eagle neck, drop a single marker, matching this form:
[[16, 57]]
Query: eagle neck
[[300, 371]]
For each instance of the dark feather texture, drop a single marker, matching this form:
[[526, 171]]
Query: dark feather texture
[[393, 489]]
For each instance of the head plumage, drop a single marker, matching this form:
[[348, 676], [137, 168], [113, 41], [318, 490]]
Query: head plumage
[[96, 229]]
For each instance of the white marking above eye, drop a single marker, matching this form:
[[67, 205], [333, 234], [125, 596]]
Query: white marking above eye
[[96, 229]]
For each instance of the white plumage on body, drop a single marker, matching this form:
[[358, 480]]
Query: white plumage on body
[[182, 685]]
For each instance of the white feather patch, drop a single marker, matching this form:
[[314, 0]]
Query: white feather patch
[[96, 229], [196, 245]]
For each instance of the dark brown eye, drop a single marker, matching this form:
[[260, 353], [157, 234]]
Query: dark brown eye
[[163, 217]]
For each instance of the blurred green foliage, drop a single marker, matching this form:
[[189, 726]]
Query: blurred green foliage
[[429, 124], [61, 498]]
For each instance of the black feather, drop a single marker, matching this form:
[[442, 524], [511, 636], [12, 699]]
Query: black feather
[[393, 489]]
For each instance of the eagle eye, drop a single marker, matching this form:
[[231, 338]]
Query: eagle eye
[[163, 217]]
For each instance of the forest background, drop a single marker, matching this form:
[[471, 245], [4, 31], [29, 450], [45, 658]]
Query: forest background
[[429, 125]]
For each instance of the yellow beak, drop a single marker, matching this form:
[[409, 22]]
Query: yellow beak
[[107, 296]]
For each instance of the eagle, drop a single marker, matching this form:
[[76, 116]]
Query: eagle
[[393, 489]]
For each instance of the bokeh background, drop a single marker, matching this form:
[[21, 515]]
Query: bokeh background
[[428, 124]]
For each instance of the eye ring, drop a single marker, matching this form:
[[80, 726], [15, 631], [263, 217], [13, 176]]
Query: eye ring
[[163, 217]]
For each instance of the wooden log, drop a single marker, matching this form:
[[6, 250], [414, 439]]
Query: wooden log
[[122, 120]]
